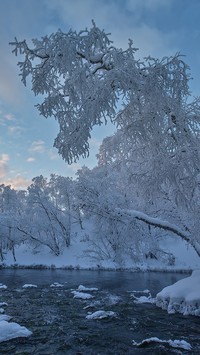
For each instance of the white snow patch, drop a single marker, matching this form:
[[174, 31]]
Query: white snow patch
[[82, 295], [2, 304], [28, 286], [3, 287], [12, 330], [83, 288], [180, 344], [56, 284], [182, 297], [144, 299], [101, 315]]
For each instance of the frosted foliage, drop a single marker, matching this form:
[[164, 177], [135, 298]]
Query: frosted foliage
[[82, 78]]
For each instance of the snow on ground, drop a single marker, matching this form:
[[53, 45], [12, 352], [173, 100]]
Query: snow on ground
[[12, 330], [101, 315], [76, 257], [182, 297], [180, 344], [3, 287]]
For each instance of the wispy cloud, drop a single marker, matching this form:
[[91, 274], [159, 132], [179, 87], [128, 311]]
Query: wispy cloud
[[15, 129], [9, 117], [4, 165], [37, 147]]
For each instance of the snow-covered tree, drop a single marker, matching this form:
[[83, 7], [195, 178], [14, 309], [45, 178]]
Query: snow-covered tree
[[85, 80], [11, 207]]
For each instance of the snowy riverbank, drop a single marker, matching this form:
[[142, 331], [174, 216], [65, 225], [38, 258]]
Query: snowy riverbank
[[77, 257]]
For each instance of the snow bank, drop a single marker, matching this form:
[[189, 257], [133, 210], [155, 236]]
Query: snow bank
[[182, 297], [12, 330], [180, 344]]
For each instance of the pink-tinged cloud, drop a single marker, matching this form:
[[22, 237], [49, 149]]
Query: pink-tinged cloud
[[19, 182]]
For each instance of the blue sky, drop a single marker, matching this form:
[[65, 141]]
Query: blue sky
[[157, 27]]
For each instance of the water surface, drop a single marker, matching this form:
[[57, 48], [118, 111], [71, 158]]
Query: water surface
[[59, 324]]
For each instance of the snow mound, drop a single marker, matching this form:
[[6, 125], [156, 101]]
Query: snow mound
[[144, 299], [83, 288], [82, 295], [180, 344], [182, 297], [28, 286], [3, 287], [56, 284], [12, 330], [141, 298], [101, 315], [4, 317]]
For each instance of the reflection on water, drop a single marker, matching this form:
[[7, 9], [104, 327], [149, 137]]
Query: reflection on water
[[59, 324]]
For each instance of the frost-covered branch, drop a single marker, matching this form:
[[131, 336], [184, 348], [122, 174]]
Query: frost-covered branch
[[159, 223]]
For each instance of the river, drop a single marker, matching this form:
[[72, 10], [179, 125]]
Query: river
[[58, 320]]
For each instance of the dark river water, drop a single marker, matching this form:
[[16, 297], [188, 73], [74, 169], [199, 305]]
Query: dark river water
[[59, 324]]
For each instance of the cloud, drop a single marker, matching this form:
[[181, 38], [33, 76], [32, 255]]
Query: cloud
[[9, 117], [124, 21], [37, 147], [8, 120], [18, 182], [30, 159], [4, 165], [15, 129], [150, 5]]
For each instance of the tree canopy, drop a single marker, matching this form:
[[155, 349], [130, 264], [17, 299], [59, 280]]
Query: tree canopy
[[85, 80]]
